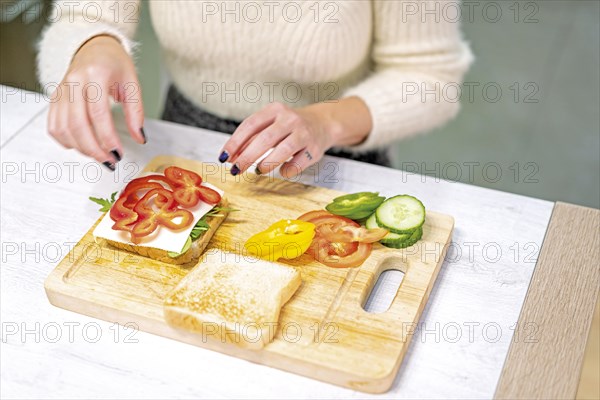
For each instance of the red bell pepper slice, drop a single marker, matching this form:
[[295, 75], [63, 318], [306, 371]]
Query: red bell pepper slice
[[143, 183], [188, 189], [158, 207], [123, 216]]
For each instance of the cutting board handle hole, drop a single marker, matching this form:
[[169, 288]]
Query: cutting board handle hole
[[383, 292]]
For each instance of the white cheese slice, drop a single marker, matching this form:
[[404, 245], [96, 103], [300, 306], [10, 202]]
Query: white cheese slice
[[163, 238]]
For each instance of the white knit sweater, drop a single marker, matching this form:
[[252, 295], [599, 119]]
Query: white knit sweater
[[233, 57]]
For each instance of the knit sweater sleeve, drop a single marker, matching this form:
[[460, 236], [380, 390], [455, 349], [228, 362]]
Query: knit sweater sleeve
[[419, 60], [74, 23]]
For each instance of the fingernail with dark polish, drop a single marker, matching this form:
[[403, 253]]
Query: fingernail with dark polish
[[144, 135], [109, 165], [257, 171], [116, 154], [235, 170], [223, 157]]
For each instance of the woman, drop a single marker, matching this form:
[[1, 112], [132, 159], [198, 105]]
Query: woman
[[304, 77]]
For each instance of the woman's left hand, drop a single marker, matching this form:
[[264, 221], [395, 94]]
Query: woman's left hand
[[298, 137]]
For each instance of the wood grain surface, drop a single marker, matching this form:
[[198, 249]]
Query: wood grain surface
[[559, 306], [589, 383], [324, 332]]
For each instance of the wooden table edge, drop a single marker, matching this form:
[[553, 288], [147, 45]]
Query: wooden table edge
[[546, 354]]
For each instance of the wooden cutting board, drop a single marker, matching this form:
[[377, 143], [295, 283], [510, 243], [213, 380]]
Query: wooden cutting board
[[324, 332]]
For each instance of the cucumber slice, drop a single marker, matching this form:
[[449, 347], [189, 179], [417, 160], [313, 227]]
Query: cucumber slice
[[371, 222], [391, 238], [401, 241], [401, 214]]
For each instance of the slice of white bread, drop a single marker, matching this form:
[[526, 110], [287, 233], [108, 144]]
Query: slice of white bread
[[232, 298], [190, 256]]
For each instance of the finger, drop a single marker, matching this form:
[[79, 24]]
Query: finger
[[281, 153], [242, 149], [57, 126], [301, 160], [99, 113], [248, 128], [259, 144], [130, 95], [80, 128]]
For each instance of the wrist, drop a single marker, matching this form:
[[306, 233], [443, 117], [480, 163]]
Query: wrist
[[331, 126], [345, 122], [98, 40]]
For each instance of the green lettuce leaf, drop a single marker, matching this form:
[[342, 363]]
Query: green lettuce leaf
[[105, 203]]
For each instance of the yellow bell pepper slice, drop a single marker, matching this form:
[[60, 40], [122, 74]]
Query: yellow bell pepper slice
[[287, 239]]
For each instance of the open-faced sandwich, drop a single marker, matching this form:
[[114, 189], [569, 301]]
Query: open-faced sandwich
[[169, 217]]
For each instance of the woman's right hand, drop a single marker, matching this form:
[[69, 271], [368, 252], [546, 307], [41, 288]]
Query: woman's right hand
[[80, 112]]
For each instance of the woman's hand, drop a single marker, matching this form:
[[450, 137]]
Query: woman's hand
[[298, 137], [80, 116]]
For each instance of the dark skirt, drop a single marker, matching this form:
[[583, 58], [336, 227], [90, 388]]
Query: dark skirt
[[182, 111]]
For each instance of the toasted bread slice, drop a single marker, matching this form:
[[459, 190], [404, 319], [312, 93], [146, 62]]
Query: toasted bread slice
[[194, 252], [232, 298]]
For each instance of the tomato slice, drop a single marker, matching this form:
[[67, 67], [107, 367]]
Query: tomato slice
[[352, 234], [353, 260], [320, 217], [313, 214], [339, 242], [334, 220], [319, 248], [320, 251], [341, 249], [188, 189]]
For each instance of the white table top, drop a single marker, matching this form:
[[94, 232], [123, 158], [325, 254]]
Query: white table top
[[459, 350], [18, 107]]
